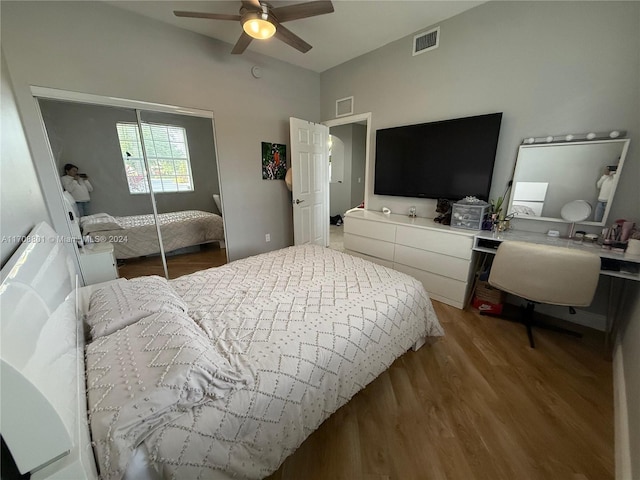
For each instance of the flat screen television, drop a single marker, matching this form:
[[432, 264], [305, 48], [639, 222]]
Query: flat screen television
[[448, 159]]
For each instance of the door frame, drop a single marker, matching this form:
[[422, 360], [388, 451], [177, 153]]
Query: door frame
[[359, 118]]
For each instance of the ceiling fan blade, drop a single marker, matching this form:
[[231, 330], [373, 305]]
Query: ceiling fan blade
[[290, 38], [302, 10], [242, 44], [213, 16]]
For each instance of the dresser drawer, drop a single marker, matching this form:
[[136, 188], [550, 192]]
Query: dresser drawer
[[369, 246], [379, 261], [366, 228], [439, 286], [439, 242], [445, 265]]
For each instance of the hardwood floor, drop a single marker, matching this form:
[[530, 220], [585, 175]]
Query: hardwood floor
[[209, 255], [477, 404]]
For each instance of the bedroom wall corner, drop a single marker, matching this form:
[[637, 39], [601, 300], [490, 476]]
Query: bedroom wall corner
[[22, 204]]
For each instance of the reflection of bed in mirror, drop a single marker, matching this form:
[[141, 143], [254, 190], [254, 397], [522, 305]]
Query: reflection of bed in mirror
[[136, 235], [550, 175]]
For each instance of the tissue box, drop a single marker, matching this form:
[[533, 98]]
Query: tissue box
[[468, 215]]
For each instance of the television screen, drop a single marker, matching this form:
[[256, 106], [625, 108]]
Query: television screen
[[446, 159]]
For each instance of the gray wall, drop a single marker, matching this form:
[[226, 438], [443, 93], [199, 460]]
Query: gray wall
[[86, 136], [95, 48], [21, 202], [551, 67]]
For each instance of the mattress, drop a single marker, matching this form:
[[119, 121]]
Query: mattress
[[311, 327]]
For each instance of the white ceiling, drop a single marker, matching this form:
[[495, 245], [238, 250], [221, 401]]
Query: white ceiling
[[353, 29]]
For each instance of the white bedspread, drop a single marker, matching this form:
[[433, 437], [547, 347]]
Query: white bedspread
[[314, 326]]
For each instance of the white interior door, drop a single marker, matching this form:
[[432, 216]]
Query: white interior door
[[310, 182]]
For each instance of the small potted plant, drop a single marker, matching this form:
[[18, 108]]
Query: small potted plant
[[494, 214]]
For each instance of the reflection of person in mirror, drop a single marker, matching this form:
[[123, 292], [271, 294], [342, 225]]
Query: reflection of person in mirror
[[605, 184], [78, 185]]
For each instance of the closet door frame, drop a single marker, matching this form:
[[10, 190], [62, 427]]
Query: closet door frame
[[138, 106]]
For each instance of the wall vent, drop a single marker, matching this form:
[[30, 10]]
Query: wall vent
[[425, 41], [344, 106]]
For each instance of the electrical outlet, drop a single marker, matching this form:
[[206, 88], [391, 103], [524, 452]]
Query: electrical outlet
[[267, 237]]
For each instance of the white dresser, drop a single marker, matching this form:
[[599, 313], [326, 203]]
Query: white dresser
[[439, 256]]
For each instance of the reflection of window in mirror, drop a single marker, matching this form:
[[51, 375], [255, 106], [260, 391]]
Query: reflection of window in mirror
[[336, 160], [167, 154]]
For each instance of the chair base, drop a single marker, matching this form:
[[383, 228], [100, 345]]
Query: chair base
[[526, 318]]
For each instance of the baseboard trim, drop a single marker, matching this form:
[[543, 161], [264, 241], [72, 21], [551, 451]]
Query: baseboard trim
[[621, 417]]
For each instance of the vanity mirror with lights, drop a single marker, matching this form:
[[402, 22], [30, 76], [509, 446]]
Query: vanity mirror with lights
[[550, 175]]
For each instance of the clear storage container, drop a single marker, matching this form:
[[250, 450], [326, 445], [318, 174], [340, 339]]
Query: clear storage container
[[469, 214]]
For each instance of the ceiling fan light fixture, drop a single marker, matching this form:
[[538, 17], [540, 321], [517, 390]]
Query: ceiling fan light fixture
[[261, 21], [258, 27]]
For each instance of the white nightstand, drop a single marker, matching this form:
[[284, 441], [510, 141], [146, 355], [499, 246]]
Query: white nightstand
[[98, 263]]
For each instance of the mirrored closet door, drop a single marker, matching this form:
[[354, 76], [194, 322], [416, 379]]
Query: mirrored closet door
[[182, 166], [152, 180]]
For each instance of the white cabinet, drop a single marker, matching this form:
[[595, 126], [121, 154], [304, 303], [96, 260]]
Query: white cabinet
[[439, 256], [98, 263]]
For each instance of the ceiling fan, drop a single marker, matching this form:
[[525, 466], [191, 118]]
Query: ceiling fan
[[261, 21]]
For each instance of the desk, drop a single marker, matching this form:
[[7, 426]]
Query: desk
[[620, 267]]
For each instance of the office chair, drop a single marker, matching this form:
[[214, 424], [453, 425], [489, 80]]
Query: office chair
[[545, 274]]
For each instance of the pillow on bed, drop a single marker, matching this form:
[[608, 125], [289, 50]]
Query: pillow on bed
[[99, 222], [119, 304], [146, 375]]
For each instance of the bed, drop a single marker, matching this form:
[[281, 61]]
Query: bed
[[136, 235], [219, 374]]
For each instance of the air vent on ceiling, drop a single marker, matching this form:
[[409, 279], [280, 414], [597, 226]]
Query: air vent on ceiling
[[423, 42]]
